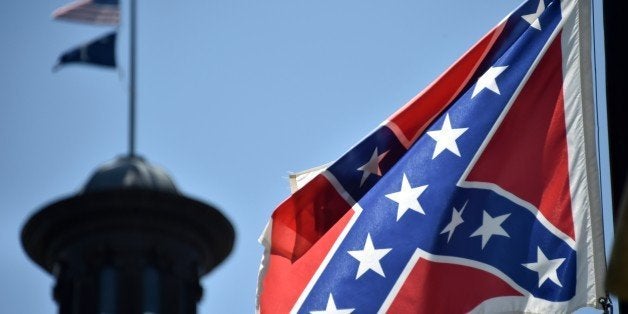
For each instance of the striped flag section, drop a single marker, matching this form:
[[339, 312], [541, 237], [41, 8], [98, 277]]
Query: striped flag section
[[105, 12], [479, 195]]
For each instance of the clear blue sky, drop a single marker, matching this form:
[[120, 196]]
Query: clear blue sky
[[232, 96]]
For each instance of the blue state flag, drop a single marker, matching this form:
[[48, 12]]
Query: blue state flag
[[100, 52]]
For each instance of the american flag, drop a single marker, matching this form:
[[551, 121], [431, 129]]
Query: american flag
[[90, 11], [479, 195]]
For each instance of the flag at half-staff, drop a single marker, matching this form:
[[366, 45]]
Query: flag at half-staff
[[90, 11], [99, 52], [481, 194]]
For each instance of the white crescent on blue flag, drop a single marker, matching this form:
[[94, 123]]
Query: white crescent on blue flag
[[479, 195], [100, 51]]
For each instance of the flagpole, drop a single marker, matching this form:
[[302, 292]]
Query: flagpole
[[132, 68]]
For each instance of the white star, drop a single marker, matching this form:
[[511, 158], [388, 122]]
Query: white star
[[546, 268], [456, 219], [533, 18], [372, 166], [332, 309], [446, 138], [487, 80], [369, 258], [491, 226], [407, 198]]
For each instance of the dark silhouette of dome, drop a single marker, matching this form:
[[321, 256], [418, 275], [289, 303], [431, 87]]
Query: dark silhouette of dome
[[127, 235], [130, 173]]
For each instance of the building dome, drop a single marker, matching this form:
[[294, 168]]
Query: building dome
[[130, 172], [129, 241]]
